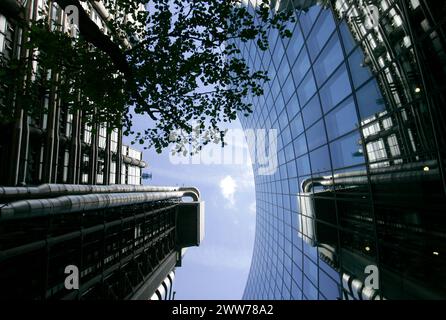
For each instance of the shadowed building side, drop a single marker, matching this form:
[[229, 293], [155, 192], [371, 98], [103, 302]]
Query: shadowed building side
[[70, 194], [57, 145], [124, 241]]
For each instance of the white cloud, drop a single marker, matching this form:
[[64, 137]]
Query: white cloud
[[252, 208], [228, 186]]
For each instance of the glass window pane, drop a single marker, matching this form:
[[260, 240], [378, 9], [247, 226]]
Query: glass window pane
[[341, 120], [307, 18], [330, 58], [295, 44], [310, 270], [284, 70], [297, 126], [370, 100], [310, 290], [300, 145], [312, 112], [328, 286], [306, 89], [288, 89], [320, 160], [316, 135], [347, 39], [278, 50], [303, 166], [336, 89], [347, 151], [322, 30], [292, 106], [360, 73], [300, 67]]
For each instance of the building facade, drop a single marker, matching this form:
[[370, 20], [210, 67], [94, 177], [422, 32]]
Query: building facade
[[94, 242], [57, 146], [354, 209], [165, 290], [75, 221]]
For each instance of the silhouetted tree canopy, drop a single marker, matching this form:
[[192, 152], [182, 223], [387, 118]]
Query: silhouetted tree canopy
[[175, 62]]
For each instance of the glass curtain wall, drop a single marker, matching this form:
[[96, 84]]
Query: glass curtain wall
[[354, 209]]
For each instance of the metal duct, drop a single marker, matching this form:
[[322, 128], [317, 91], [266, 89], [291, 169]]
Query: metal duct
[[66, 204], [404, 172], [54, 190], [192, 192]]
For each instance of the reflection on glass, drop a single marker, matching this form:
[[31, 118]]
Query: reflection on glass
[[361, 182]]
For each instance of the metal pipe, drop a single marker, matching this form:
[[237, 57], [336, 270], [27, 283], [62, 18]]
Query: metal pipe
[[80, 203], [54, 190], [119, 158], [378, 175], [192, 192]]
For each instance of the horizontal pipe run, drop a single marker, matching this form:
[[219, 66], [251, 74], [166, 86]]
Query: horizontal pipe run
[[67, 204], [403, 172], [54, 190], [134, 162]]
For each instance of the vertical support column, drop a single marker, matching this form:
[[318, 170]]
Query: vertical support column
[[107, 158], [56, 140], [93, 176], [24, 154], [16, 143], [119, 158], [75, 150], [50, 139], [15, 156]]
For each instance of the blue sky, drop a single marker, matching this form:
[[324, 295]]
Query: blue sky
[[218, 269]]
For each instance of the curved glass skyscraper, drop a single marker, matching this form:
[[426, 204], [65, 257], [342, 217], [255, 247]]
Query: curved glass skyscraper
[[356, 208]]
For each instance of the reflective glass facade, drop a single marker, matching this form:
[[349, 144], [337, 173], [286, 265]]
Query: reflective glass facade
[[359, 185]]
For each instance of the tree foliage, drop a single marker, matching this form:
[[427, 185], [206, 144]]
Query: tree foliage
[[177, 62]]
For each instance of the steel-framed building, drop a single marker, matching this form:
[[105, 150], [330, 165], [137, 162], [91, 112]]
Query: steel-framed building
[[57, 146], [357, 96], [71, 197], [123, 240]]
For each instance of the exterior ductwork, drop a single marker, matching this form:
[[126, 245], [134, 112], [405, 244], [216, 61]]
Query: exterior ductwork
[[72, 198], [55, 190], [409, 172], [41, 207], [134, 162], [147, 226]]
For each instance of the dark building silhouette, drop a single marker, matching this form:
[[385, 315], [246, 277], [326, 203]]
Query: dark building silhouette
[[357, 97], [71, 197], [57, 146], [123, 240]]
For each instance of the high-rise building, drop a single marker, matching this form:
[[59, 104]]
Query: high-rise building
[[75, 221], [57, 146], [355, 209], [94, 242], [165, 290]]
